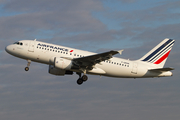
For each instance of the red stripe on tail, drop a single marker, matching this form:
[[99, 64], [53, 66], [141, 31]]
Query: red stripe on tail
[[162, 58]]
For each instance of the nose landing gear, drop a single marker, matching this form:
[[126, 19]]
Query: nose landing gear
[[28, 64]]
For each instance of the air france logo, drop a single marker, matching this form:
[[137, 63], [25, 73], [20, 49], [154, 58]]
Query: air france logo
[[54, 47]]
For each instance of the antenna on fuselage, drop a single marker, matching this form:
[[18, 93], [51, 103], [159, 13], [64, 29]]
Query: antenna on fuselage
[[34, 39]]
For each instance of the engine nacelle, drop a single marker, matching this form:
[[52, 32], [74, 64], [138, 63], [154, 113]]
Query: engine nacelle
[[55, 71], [60, 72], [62, 63]]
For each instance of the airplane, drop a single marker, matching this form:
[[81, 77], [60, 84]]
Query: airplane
[[66, 61]]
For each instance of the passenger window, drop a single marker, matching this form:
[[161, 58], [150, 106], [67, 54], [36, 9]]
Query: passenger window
[[21, 43]]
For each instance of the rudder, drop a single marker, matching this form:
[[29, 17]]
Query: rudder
[[159, 54]]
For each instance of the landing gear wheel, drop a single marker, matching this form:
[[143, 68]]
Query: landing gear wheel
[[26, 68], [79, 81], [84, 78]]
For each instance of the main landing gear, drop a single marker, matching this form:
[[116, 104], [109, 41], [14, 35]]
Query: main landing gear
[[82, 79], [28, 64]]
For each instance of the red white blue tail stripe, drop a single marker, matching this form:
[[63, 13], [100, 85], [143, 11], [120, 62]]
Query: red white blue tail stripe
[[160, 52]]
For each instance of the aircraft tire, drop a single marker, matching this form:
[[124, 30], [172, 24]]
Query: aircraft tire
[[80, 81], [84, 78], [26, 68]]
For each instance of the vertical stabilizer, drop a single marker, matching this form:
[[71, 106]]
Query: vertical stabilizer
[[159, 54]]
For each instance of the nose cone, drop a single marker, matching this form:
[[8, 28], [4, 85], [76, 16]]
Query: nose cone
[[8, 49]]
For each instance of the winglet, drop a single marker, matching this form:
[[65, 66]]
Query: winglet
[[120, 51]]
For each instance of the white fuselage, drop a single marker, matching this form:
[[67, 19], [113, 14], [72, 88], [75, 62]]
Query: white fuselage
[[115, 67]]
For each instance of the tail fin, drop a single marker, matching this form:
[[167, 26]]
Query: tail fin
[[159, 54]]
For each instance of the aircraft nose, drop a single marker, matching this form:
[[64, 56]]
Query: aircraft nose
[[8, 49]]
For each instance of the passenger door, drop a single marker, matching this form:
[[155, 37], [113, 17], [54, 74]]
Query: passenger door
[[31, 46]]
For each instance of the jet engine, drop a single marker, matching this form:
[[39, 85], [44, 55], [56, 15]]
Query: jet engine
[[61, 63], [60, 72]]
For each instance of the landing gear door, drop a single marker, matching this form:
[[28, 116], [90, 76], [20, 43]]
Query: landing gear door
[[135, 68], [31, 46]]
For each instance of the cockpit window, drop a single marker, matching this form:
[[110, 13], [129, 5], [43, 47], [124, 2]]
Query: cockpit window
[[18, 43]]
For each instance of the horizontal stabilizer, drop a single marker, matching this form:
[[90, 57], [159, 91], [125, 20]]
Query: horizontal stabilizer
[[162, 69]]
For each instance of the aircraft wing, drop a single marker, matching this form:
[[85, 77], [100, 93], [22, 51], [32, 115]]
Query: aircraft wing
[[89, 61]]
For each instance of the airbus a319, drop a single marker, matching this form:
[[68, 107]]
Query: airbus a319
[[66, 61]]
